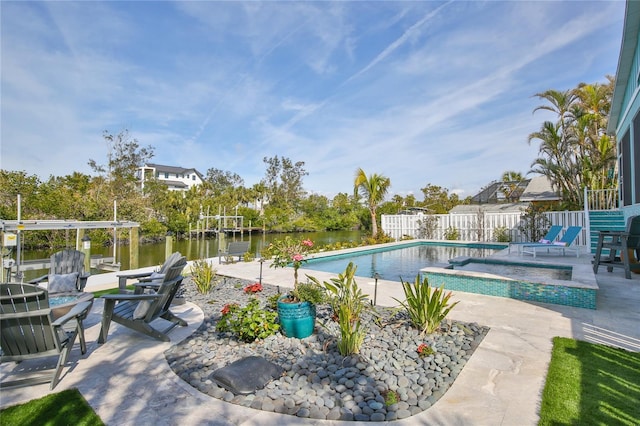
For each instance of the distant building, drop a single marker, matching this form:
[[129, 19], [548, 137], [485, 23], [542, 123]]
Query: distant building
[[176, 178], [536, 189]]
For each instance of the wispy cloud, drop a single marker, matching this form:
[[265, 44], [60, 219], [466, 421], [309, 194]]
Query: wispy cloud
[[423, 92]]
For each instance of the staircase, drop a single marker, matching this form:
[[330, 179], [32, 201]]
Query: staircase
[[604, 220]]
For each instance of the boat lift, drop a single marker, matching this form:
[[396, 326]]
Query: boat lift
[[12, 229]]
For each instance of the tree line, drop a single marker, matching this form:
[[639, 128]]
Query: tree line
[[574, 152]]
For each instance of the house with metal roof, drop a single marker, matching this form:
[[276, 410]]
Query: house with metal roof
[[176, 178], [513, 196]]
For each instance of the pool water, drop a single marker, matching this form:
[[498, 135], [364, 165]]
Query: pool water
[[519, 271], [403, 262]]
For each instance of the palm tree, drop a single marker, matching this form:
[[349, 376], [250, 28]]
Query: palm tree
[[511, 179], [374, 188]]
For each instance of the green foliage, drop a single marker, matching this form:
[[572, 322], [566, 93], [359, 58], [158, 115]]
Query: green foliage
[[284, 181], [534, 224], [248, 323], [426, 306], [202, 274], [575, 150], [427, 227], [380, 238], [248, 257], [501, 234], [347, 302], [425, 350], [352, 332], [153, 228], [310, 292], [62, 408], [390, 397], [272, 302], [288, 251], [438, 200], [451, 233], [373, 189], [591, 384]]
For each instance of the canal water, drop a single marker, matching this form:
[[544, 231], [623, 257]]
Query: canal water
[[154, 254]]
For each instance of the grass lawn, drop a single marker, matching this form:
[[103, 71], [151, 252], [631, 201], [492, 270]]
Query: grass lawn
[[63, 408], [590, 384]]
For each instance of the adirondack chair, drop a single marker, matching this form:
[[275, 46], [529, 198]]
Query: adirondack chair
[[157, 275], [62, 276], [235, 248], [29, 331], [625, 242], [137, 311]]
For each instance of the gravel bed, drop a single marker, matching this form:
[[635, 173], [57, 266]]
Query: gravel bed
[[320, 383]]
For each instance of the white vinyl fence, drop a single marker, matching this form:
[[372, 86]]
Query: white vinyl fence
[[477, 226]]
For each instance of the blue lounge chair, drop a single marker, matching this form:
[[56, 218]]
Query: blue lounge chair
[[565, 243], [551, 235]]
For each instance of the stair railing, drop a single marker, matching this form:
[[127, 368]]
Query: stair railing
[[598, 200]]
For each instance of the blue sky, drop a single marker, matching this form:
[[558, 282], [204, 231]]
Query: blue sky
[[422, 91]]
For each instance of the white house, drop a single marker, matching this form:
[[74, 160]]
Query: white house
[[176, 178]]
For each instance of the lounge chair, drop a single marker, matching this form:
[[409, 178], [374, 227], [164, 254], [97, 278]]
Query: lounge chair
[[29, 331], [625, 242], [565, 243], [137, 311], [551, 235], [146, 276], [66, 272]]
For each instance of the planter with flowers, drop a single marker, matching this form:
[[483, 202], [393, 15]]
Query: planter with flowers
[[296, 309]]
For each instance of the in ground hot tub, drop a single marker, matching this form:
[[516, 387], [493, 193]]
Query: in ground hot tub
[[533, 281]]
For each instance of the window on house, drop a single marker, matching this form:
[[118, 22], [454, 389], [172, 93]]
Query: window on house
[[166, 175], [157, 175], [193, 177]]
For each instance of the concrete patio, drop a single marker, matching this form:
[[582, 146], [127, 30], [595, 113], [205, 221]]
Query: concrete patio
[[128, 381]]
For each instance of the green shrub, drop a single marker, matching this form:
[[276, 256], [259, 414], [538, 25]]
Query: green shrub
[[352, 333], [272, 302], [451, 233], [347, 302], [310, 292], [425, 305], [501, 234], [202, 274], [248, 257], [390, 397], [248, 323]]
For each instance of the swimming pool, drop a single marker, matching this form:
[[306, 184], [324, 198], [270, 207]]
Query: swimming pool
[[391, 263]]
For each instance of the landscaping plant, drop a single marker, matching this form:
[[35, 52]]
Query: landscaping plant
[[309, 292], [347, 302], [202, 274], [451, 233], [288, 251], [427, 306], [248, 323]]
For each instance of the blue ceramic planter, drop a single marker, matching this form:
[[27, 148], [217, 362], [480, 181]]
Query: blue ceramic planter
[[296, 319]]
